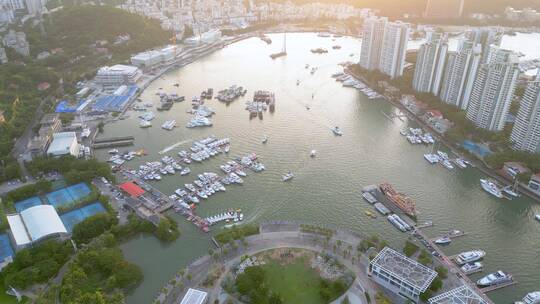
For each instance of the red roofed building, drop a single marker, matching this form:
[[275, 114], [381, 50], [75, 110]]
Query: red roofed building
[[132, 189]]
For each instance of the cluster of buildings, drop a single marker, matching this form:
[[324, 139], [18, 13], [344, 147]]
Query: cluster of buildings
[[480, 77], [51, 141], [11, 10], [16, 41], [527, 14], [202, 16]]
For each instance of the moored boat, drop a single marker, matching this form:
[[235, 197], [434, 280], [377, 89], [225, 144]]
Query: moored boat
[[445, 240], [495, 278], [472, 267], [491, 188], [287, 176], [530, 298], [470, 256]]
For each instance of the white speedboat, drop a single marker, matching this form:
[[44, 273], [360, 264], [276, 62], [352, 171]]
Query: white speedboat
[[491, 188], [496, 278], [472, 267], [265, 139], [313, 153], [537, 217], [287, 176], [447, 164], [443, 240], [470, 256], [113, 151], [510, 192], [432, 158], [530, 298], [145, 124], [337, 131], [185, 171]]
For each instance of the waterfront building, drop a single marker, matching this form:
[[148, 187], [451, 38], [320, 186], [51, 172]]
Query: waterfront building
[[64, 143], [117, 75], [195, 296], [372, 36], [459, 74], [526, 131], [461, 295], [493, 90], [154, 58], [394, 48], [400, 274], [444, 9], [34, 225], [430, 63]]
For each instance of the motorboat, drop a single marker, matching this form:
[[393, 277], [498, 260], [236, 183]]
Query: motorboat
[[491, 188], [287, 176], [510, 192], [113, 151], [145, 123], [313, 153], [472, 267], [470, 256], [530, 298], [445, 240], [495, 278], [432, 158], [337, 131], [265, 139], [447, 164], [185, 171], [537, 217]]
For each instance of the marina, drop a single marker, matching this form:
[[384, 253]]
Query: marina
[[324, 190]]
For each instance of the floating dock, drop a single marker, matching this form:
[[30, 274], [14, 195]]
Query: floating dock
[[499, 286]]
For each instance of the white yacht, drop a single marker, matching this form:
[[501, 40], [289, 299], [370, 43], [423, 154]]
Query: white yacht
[[313, 153], [495, 278], [185, 171], [510, 192], [337, 131], [447, 164], [445, 240], [530, 298], [470, 256], [491, 188], [472, 267], [169, 125], [145, 124], [432, 158], [287, 176]]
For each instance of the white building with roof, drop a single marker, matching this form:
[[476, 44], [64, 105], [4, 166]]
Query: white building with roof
[[117, 75], [394, 48], [195, 296], [34, 225], [400, 274], [153, 58], [430, 62], [64, 143], [526, 131], [460, 295]]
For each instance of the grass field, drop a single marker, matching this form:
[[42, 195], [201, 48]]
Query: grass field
[[295, 282]]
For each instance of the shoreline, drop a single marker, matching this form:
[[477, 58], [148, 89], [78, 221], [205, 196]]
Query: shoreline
[[478, 164]]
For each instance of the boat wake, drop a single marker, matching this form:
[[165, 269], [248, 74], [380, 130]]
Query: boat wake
[[171, 147]]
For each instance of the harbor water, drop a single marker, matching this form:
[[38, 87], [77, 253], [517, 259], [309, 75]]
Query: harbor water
[[326, 188]]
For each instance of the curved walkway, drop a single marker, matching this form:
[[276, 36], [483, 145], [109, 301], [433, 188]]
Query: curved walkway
[[274, 236]]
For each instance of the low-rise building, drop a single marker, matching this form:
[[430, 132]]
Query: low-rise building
[[64, 143], [35, 224], [195, 296], [400, 274], [513, 169], [155, 58], [117, 75], [49, 124], [460, 295]]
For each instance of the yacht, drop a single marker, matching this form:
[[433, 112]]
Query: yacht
[[442, 154], [510, 192], [472, 267], [185, 171], [337, 131], [432, 158], [169, 125], [313, 153], [491, 188], [495, 278], [530, 298], [460, 162], [445, 240], [287, 176], [145, 124], [447, 164], [470, 256]]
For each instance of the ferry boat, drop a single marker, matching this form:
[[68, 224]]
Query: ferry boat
[[530, 298], [313, 153], [470, 256], [401, 200], [491, 188], [337, 131], [472, 267], [287, 176], [445, 240], [496, 278]]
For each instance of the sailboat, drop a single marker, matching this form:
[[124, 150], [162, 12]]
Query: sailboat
[[283, 51]]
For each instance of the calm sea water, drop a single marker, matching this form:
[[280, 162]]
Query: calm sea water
[[326, 189]]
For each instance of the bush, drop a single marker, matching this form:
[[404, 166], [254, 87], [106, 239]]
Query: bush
[[92, 227], [167, 230], [24, 192], [236, 233]]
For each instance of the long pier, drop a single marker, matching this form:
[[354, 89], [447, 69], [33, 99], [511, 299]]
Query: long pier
[[113, 142], [498, 286]]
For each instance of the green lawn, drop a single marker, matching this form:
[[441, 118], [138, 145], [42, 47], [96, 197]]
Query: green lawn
[[295, 283]]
